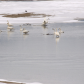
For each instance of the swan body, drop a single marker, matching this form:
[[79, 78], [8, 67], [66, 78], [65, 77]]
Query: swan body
[[10, 28], [61, 31], [25, 31], [56, 33], [45, 22]]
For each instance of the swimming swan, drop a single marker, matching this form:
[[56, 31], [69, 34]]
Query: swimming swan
[[10, 28], [45, 22], [25, 31], [9, 24], [56, 33]]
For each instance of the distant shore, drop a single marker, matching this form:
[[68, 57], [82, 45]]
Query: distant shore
[[30, 14]]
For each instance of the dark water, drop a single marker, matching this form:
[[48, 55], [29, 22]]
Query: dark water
[[38, 57]]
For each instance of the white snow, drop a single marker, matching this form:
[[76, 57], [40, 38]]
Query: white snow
[[60, 10]]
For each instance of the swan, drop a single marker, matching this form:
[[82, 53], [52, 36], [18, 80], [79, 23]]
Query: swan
[[56, 33], [45, 22], [61, 31], [25, 31], [9, 24], [21, 29], [10, 28]]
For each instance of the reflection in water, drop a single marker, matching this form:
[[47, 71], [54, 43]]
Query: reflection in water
[[10, 29], [57, 40], [25, 36], [9, 33], [44, 29], [44, 26]]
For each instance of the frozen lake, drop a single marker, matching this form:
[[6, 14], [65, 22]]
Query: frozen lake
[[61, 11]]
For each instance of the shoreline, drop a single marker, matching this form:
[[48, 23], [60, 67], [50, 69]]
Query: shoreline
[[34, 23], [30, 14]]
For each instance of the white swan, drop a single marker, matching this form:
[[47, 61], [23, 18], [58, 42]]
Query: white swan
[[45, 22], [56, 33], [25, 31], [61, 31], [21, 29], [10, 28], [9, 24]]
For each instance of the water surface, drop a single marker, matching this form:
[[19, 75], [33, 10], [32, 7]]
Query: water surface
[[42, 58]]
